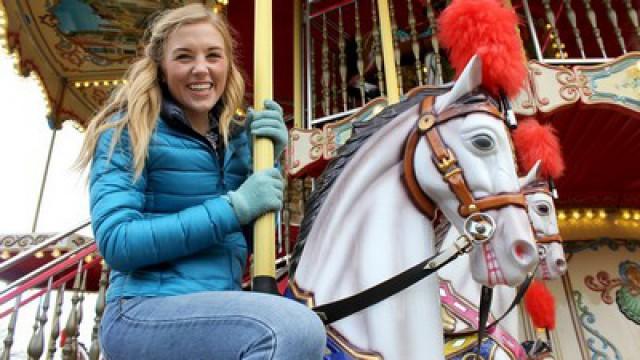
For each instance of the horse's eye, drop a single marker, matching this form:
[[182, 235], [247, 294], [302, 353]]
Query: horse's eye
[[483, 142], [542, 209]]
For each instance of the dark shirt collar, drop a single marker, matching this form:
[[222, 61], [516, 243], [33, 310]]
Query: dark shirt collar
[[171, 112]]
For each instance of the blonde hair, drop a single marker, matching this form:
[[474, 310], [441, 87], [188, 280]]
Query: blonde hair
[[139, 99]]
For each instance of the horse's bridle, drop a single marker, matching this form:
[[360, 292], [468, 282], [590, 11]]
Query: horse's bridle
[[543, 188], [446, 162], [470, 209]]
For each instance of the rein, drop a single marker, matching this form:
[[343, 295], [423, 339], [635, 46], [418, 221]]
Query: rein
[[479, 227]]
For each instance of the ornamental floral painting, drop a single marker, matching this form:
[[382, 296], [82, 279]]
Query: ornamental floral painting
[[626, 286]]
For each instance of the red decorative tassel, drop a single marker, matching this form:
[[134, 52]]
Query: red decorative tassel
[[540, 305], [535, 142], [489, 29]]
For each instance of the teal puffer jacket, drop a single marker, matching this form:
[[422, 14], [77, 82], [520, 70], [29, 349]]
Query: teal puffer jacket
[[169, 232]]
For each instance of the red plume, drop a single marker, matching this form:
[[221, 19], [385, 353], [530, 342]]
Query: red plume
[[486, 28], [535, 142], [540, 305]]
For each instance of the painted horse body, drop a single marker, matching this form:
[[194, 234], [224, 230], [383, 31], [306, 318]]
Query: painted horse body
[[361, 227]]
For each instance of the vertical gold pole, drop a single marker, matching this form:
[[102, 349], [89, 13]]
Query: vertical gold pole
[[387, 52], [264, 229], [297, 64]]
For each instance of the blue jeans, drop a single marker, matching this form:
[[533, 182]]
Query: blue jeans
[[211, 325]]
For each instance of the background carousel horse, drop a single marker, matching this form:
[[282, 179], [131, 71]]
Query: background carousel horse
[[458, 293], [361, 226]]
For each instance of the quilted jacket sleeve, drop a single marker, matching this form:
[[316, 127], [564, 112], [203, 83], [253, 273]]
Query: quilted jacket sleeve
[[127, 239]]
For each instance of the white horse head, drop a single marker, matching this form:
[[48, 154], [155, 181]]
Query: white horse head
[[542, 212], [361, 226], [483, 149]]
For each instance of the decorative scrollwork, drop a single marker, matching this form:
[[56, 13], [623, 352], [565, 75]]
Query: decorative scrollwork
[[572, 84], [603, 284], [587, 319], [540, 100], [317, 145]]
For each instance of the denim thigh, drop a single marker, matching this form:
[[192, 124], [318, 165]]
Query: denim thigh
[[211, 325]]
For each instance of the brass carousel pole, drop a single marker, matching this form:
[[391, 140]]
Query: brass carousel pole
[[297, 64], [386, 38], [264, 253]]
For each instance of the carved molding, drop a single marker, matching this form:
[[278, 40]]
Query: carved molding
[[550, 88], [311, 149], [20, 242]]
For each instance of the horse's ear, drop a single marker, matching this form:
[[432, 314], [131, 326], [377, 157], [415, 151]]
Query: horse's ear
[[468, 81], [532, 176]]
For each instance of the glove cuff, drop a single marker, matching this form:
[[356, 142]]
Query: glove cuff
[[240, 207]]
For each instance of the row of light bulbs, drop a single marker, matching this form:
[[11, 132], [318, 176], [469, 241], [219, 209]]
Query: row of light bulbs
[[98, 83], [601, 214], [6, 254]]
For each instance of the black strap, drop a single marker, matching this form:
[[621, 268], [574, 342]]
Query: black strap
[[342, 308], [486, 295], [522, 290]]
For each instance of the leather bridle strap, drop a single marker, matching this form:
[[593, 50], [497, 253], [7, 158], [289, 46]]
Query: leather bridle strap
[[446, 162], [486, 295], [548, 239], [342, 308], [522, 290]]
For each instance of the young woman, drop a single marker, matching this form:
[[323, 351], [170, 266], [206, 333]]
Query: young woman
[[171, 190]]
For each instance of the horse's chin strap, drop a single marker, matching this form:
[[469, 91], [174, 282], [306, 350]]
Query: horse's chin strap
[[342, 308], [486, 295], [522, 290]]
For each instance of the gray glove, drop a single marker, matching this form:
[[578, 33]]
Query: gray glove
[[259, 194], [269, 123]]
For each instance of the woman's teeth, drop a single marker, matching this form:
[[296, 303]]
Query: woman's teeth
[[199, 87]]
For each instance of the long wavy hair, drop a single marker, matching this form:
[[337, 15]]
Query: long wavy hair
[[139, 98]]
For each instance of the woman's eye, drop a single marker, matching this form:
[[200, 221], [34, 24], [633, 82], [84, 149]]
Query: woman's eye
[[214, 55], [483, 142], [182, 57], [542, 209]]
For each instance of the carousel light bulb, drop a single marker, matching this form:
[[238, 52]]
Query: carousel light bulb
[[602, 214], [86, 84], [548, 26], [95, 83], [562, 215], [626, 214], [77, 84], [105, 83], [5, 255], [56, 252], [575, 214], [39, 255], [636, 215], [88, 258], [589, 214]]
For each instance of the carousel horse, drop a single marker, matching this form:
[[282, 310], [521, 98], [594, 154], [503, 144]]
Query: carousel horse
[[444, 151], [458, 292]]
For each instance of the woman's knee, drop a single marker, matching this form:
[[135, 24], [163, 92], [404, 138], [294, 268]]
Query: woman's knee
[[304, 334]]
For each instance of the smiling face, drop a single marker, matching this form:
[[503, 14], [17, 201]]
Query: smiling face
[[195, 68]]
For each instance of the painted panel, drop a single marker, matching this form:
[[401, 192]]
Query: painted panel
[[596, 279]]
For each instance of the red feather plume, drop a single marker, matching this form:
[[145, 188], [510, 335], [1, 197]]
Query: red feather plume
[[535, 142], [486, 28], [540, 305]]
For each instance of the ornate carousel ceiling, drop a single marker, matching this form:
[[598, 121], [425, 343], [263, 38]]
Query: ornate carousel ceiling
[[78, 48]]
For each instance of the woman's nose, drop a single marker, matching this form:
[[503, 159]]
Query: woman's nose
[[200, 66]]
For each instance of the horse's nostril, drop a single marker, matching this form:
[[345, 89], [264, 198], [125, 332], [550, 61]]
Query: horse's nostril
[[525, 253]]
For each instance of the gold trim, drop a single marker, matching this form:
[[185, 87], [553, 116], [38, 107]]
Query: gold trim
[[353, 351]]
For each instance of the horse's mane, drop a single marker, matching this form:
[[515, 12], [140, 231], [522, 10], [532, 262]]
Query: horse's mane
[[362, 131]]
